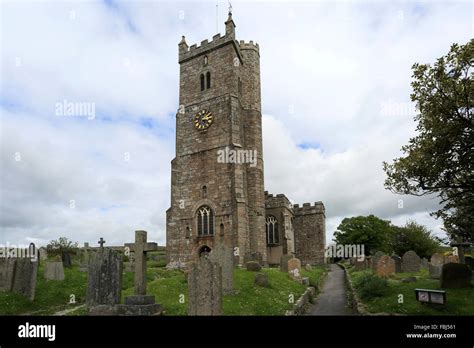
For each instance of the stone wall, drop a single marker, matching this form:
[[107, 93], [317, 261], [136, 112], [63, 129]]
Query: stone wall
[[309, 225]]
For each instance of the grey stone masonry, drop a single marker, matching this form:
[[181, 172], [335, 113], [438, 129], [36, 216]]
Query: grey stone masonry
[[205, 288]]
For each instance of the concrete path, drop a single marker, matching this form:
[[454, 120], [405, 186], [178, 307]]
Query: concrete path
[[332, 300]]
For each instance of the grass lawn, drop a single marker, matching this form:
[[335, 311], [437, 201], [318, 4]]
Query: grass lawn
[[170, 289], [459, 301], [51, 296]]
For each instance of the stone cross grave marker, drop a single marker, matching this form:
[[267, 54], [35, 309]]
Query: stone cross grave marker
[[101, 242], [140, 248]]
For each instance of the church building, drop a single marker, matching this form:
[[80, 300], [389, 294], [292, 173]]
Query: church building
[[221, 199]]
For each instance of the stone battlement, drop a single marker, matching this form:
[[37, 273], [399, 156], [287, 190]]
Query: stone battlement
[[186, 53], [280, 200], [249, 45], [307, 208]]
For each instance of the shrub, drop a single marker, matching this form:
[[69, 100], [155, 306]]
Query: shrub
[[369, 285]]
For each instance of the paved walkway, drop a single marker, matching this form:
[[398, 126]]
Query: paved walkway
[[332, 300]]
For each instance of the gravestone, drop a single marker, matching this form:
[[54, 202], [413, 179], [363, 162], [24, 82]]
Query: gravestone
[[360, 263], [455, 275], [43, 254], [470, 262], [140, 303], [24, 280], [253, 256], [284, 262], [452, 259], [436, 263], [54, 270], [104, 278], [424, 263], [224, 257], [205, 288], [7, 273], [66, 258], [308, 267], [140, 248], [398, 263], [376, 257], [294, 268], [261, 279], [410, 262], [385, 266], [253, 266]]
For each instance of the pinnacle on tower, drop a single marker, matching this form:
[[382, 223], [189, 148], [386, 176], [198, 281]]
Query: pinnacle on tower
[[183, 46], [230, 25]]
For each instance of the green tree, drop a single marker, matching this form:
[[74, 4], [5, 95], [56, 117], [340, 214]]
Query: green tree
[[439, 159], [61, 245], [416, 237], [372, 232]]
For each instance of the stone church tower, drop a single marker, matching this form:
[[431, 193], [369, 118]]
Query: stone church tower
[[222, 203], [220, 110]]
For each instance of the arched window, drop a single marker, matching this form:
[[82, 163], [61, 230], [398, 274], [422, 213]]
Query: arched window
[[205, 221], [208, 79], [202, 82], [271, 225]]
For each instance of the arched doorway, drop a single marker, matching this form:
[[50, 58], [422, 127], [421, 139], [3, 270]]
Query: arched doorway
[[204, 250]]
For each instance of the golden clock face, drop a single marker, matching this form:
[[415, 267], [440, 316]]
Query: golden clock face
[[203, 119]]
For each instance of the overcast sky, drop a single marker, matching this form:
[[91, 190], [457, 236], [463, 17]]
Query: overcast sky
[[335, 97]]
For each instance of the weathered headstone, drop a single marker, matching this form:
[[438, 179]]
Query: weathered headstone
[[205, 288], [424, 263], [360, 263], [54, 270], [43, 254], [452, 259], [7, 273], [66, 258], [224, 257], [294, 268], [376, 257], [253, 266], [104, 278], [385, 266], [261, 279], [436, 263], [284, 262], [24, 280], [398, 263], [455, 275], [253, 256], [410, 262], [308, 267]]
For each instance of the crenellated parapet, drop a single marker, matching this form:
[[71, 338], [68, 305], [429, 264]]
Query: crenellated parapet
[[249, 46], [278, 201], [307, 209], [186, 53]]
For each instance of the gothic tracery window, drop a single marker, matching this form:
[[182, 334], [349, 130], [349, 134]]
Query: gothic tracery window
[[205, 221], [271, 226]]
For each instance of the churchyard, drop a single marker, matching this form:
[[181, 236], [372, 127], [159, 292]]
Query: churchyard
[[386, 284], [103, 281]]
